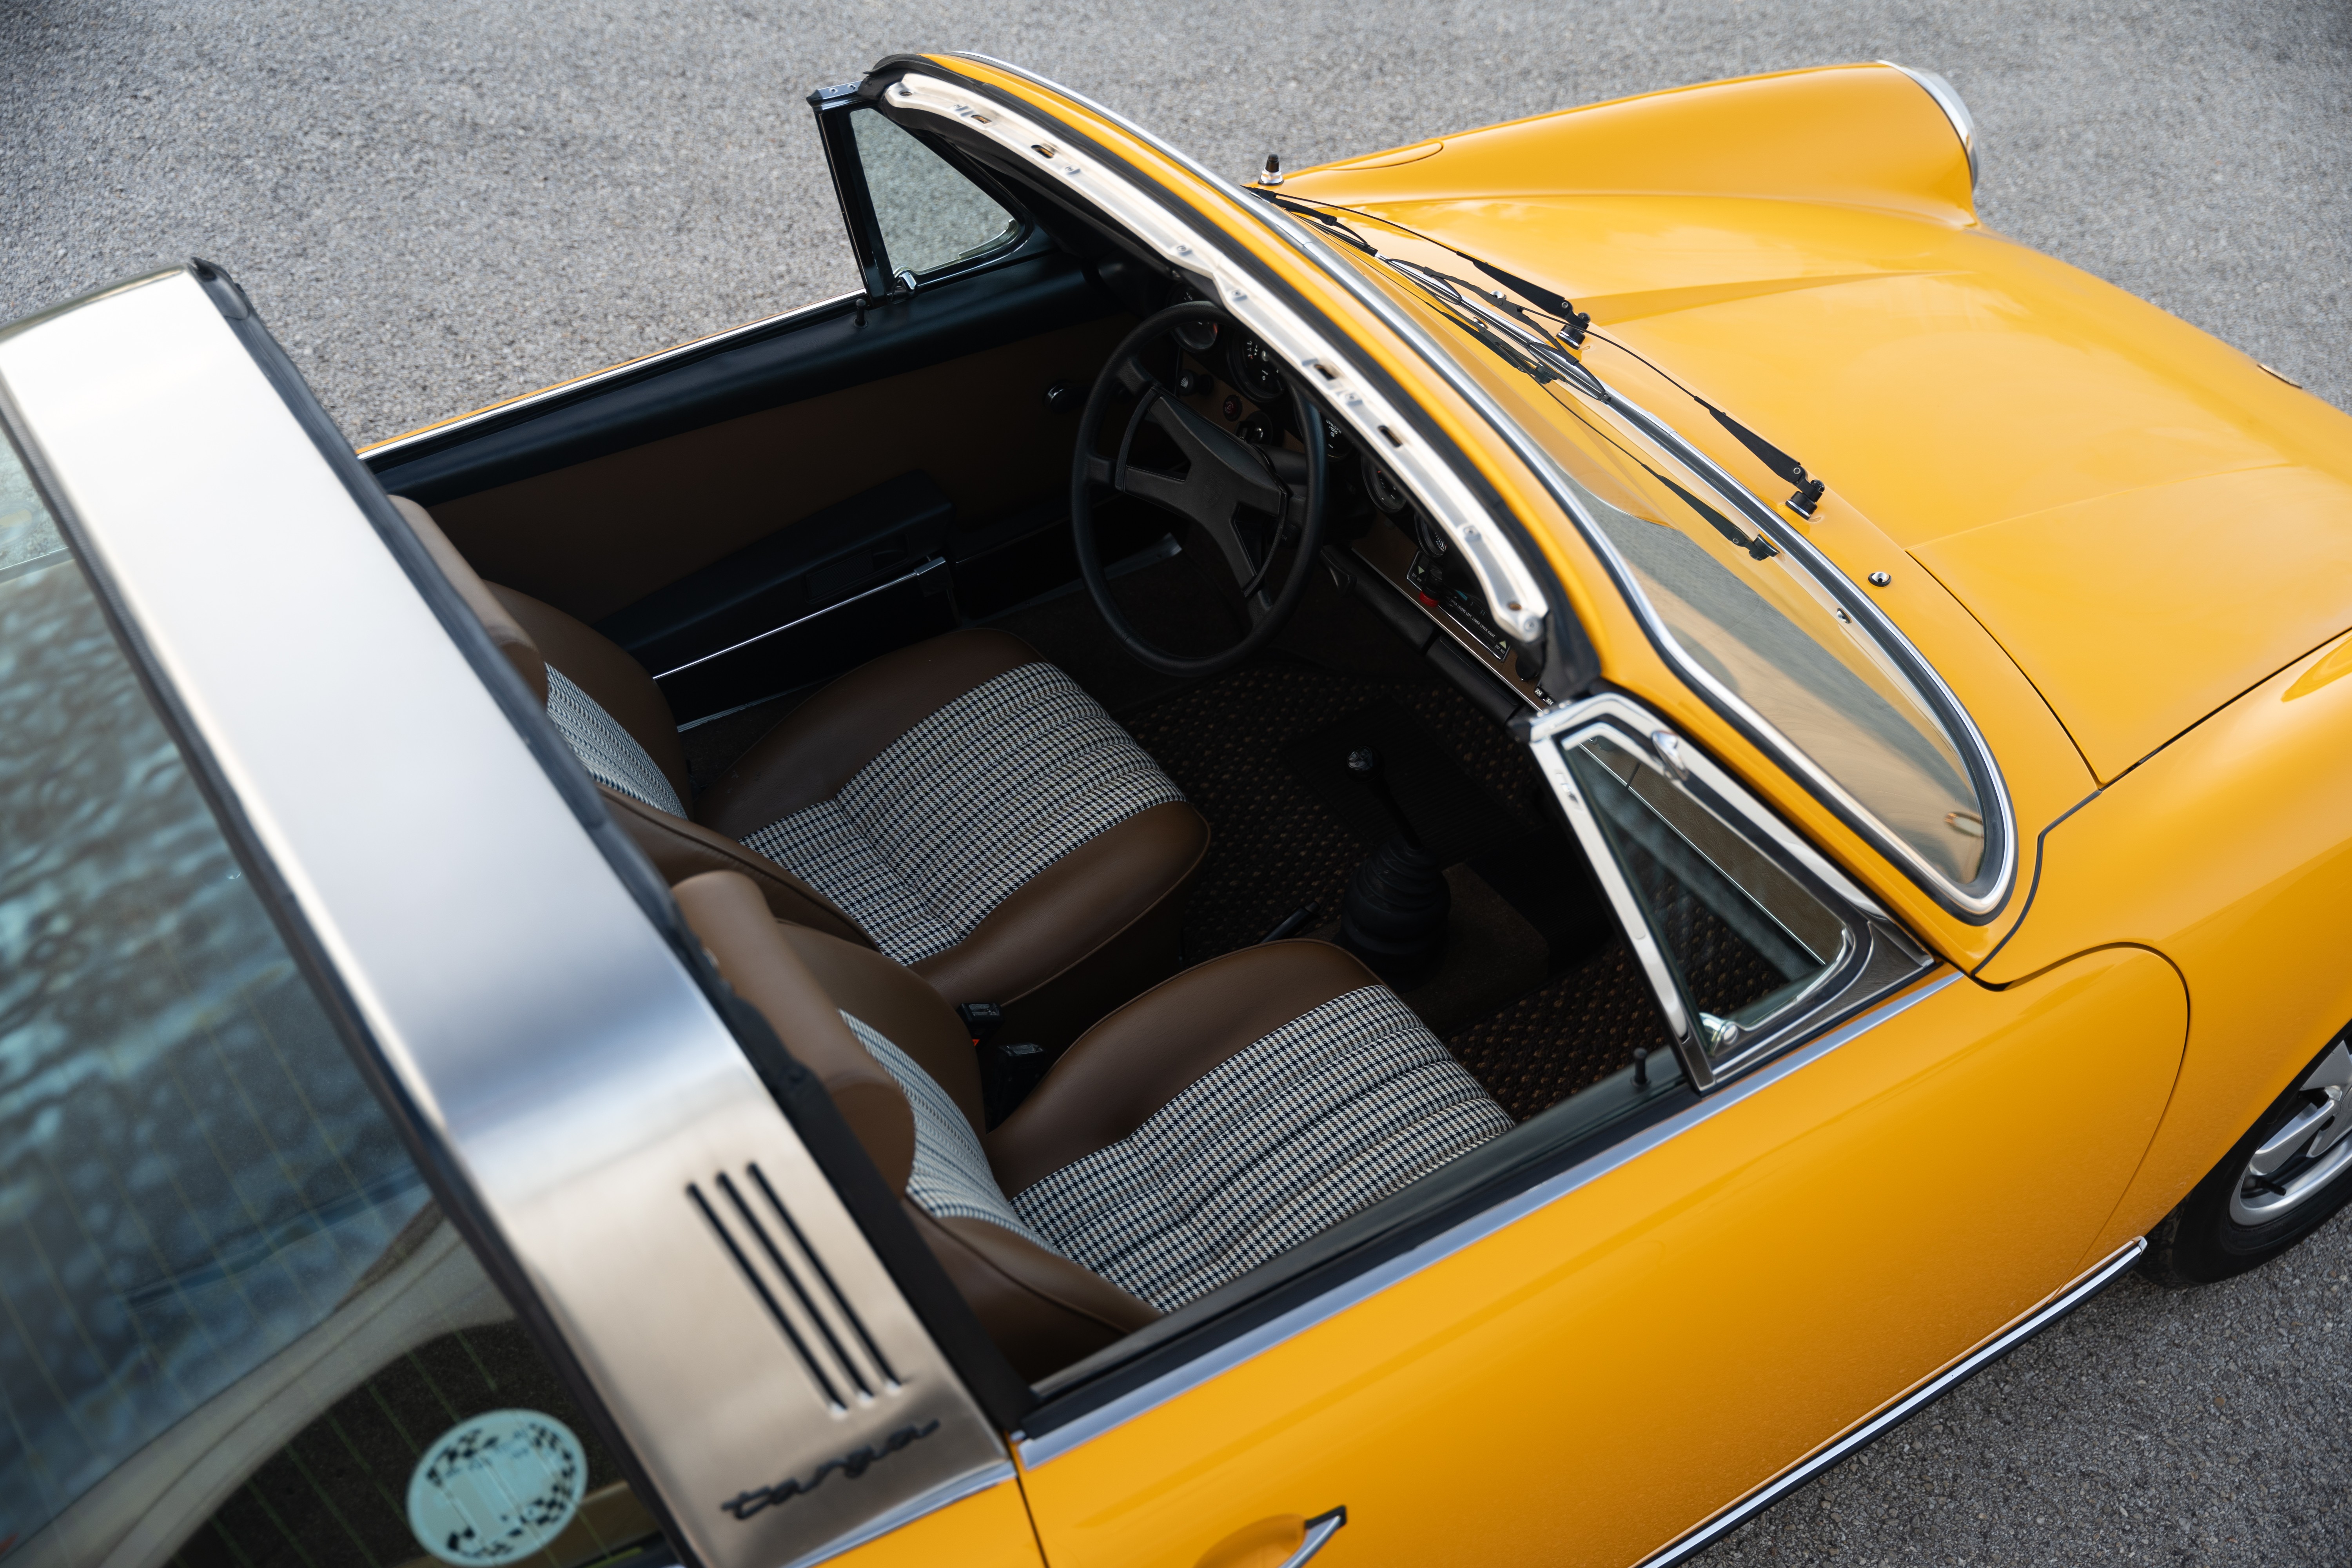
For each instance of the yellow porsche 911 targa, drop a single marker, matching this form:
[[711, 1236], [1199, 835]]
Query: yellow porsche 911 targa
[[1468, 857]]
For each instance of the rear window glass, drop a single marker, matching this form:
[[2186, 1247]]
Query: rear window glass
[[234, 1326]]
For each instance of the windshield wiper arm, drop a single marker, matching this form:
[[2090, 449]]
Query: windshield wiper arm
[[1809, 489], [1510, 336]]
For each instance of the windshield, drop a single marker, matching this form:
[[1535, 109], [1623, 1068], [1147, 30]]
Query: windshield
[[1767, 633], [1774, 638]]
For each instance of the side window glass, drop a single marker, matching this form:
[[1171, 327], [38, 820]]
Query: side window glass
[[1746, 941], [235, 1328], [930, 216]]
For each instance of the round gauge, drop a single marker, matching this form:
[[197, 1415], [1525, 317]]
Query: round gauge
[[1431, 538], [1386, 493], [1198, 337], [1255, 369]]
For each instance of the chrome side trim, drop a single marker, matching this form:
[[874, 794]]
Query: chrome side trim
[[1947, 99], [1043, 1449], [538, 1033], [526, 402], [935, 563], [2084, 1286], [1319, 253]]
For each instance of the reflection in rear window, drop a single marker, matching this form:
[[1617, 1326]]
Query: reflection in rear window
[[232, 1321]]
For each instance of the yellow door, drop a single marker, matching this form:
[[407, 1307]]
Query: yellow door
[[1682, 1319]]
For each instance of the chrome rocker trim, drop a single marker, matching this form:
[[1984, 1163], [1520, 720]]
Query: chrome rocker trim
[[2085, 1285]]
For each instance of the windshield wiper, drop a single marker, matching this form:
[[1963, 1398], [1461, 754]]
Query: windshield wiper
[[1575, 324], [1505, 332]]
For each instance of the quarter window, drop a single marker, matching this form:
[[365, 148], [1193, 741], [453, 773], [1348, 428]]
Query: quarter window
[[930, 216], [1744, 941], [235, 1328]]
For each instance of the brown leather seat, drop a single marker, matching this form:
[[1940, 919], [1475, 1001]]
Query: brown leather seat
[[1221, 1119], [960, 804]]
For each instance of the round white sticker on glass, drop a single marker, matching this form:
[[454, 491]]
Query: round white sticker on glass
[[497, 1488]]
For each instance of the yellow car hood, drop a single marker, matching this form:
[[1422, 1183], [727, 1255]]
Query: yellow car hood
[[2146, 521]]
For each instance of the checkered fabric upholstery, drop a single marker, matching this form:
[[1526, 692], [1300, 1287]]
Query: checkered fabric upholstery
[[950, 1177], [1324, 1116], [962, 809], [610, 753]]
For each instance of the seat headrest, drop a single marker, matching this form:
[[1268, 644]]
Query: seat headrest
[[729, 912], [506, 633]]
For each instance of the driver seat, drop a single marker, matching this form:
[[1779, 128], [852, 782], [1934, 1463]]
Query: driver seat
[[961, 805]]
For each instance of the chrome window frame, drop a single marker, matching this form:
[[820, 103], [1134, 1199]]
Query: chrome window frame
[[563, 1062], [1879, 957]]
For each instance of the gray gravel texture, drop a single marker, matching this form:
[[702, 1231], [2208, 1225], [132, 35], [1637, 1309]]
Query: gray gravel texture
[[436, 207]]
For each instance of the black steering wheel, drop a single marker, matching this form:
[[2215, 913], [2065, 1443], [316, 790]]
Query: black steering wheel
[[1223, 477]]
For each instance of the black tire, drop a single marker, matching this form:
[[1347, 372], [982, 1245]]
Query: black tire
[[2201, 1242]]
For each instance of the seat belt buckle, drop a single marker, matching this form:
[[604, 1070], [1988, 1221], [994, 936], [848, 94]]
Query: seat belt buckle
[[980, 1020]]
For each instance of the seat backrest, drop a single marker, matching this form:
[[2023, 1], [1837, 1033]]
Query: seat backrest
[[1043, 1310], [607, 707], [613, 717]]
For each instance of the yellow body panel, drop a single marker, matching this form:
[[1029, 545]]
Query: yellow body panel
[[986, 1530], [1604, 1373], [2231, 851]]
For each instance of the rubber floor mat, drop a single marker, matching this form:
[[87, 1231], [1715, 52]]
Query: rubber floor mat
[[1273, 846], [1453, 813]]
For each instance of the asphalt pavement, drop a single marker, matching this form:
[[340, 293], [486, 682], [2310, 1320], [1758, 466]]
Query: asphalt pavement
[[439, 206]]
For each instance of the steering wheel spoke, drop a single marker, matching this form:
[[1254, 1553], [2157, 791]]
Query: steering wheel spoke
[[1222, 476]]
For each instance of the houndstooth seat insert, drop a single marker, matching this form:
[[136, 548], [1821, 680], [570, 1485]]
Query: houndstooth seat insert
[[1324, 1116], [966, 807]]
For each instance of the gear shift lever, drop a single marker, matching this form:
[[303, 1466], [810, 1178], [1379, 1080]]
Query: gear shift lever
[[1393, 916]]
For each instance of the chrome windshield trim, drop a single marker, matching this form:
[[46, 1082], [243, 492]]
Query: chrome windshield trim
[[1510, 571], [1985, 769], [432, 850], [1947, 99], [2089, 1283], [528, 402], [1323, 255], [1043, 1449]]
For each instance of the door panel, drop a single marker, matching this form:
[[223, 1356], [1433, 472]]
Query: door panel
[[1591, 1380], [603, 534]]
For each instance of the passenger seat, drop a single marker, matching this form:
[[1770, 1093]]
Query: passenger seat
[[1237, 1111], [960, 805]]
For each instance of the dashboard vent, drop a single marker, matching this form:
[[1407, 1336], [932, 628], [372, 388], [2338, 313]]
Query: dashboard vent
[[824, 1331]]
